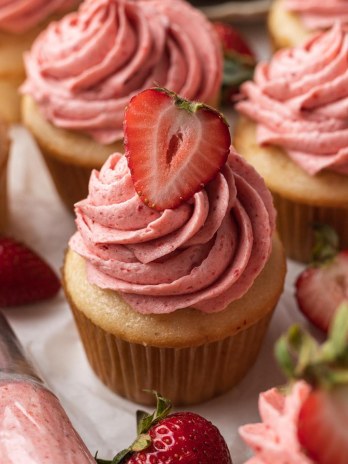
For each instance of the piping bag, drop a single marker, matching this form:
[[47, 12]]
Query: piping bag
[[34, 428]]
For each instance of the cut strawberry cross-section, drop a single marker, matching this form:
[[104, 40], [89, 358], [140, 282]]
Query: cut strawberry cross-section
[[174, 147]]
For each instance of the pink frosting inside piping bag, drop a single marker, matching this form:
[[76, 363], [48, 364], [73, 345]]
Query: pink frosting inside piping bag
[[274, 440], [299, 101], [83, 70], [319, 15], [205, 253], [19, 16]]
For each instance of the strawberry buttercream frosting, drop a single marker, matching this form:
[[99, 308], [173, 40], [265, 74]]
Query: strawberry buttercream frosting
[[203, 254], [299, 101], [83, 70], [319, 15], [274, 440], [19, 16]]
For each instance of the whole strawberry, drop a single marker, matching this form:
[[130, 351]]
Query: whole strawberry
[[323, 285], [183, 437], [322, 425], [24, 276], [239, 60]]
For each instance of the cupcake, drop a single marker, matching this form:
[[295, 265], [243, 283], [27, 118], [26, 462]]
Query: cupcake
[[291, 22], [82, 71], [174, 271], [20, 23], [4, 153], [294, 130], [305, 422]]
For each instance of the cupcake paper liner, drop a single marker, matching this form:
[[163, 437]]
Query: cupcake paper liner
[[295, 225], [200, 372]]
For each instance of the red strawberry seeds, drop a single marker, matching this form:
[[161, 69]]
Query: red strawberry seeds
[[183, 437], [174, 147], [24, 276]]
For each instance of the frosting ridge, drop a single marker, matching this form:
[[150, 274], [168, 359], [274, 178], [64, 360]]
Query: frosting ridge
[[319, 15], [205, 253], [83, 70], [274, 440], [299, 102], [18, 16]]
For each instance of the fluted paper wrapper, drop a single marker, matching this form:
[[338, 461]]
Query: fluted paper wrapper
[[295, 225], [3, 190], [185, 375], [70, 180]]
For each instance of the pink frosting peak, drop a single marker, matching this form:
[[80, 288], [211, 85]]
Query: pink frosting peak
[[19, 16], [299, 101], [274, 441], [205, 253], [83, 70], [319, 15]]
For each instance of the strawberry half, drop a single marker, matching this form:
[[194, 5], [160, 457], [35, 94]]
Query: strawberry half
[[324, 284], [173, 146], [183, 437], [322, 424], [24, 276]]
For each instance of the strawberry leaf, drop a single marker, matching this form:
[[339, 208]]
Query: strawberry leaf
[[301, 357], [325, 244]]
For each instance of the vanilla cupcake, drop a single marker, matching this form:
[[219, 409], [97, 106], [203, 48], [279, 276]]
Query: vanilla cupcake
[[4, 153], [295, 133], [291, 22], [20, 23], [176, 300], [82, 71]]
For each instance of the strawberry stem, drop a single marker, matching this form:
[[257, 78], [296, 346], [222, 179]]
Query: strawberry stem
[[144, 422], [325, 244], [301, 357]]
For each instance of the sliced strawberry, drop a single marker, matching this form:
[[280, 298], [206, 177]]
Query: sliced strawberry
[[323, 285], [24, 276], [174, 147], [323, 426]]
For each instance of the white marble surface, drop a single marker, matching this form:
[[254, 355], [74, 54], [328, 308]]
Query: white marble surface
[[105, 421]]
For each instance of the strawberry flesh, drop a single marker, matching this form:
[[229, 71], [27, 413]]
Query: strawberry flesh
[[232, 40], [174, 147], [184, 437], [24, 276], [323, 426], [320, 290]]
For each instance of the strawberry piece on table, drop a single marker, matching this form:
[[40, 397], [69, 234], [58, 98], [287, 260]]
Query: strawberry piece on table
[[174, 147], [182, 437], [24, 276], [239, 60], [324, 284], [322, 425]]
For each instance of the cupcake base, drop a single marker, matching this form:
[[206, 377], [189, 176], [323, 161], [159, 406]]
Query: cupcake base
[[285, 28], [188, 356], [301, 200], [70, 156], [4, 154]]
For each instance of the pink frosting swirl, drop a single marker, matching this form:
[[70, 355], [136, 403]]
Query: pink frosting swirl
[[83, 70], [275, 441], [19, 16], [299, 101], [205, 253], [319, 15]]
